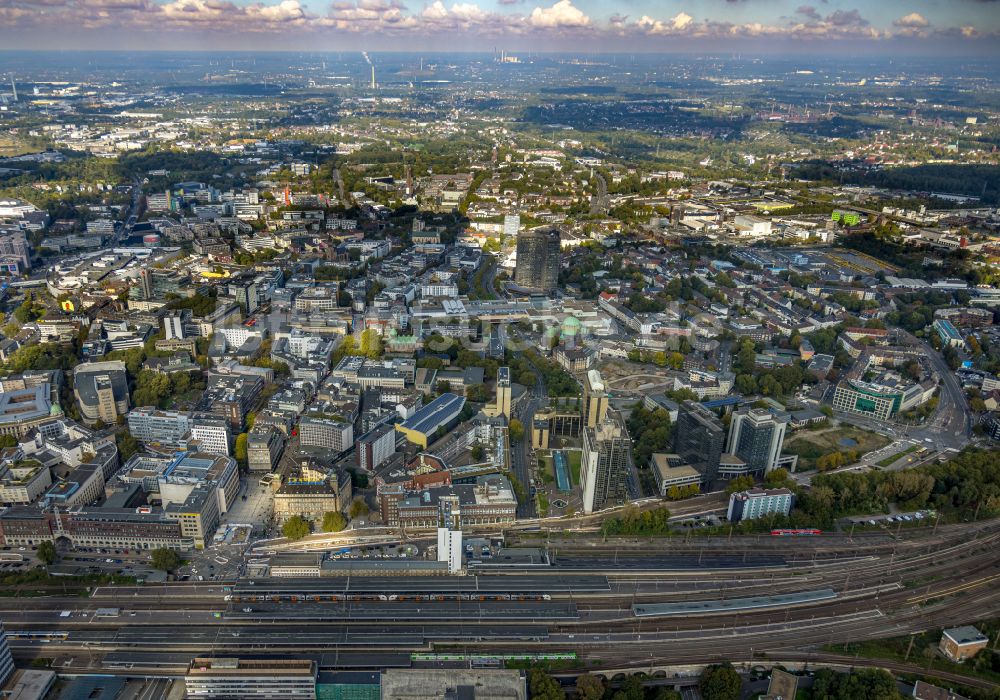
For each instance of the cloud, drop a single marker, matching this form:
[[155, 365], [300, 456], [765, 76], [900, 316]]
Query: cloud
[[912, 25], [655, 27], [367, 16], [561, 15], [617, 21], [681, 20], [914, 19], [847, 18], [809, 12], [460, 20]]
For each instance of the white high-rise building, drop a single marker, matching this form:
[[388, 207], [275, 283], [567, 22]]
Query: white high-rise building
[[449, 548], [450, 533], [511, 225], [757, 503], [173, 327], [213, 432]]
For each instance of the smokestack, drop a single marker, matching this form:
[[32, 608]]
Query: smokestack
[[13, 87], [373, 77]]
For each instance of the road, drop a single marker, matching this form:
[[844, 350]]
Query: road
[[490, 277], [520, 453], [133, 214], [950, 426], [599, 202], [725, 356], [339, 180]]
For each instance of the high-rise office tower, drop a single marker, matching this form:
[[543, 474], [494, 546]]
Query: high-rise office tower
[[595, 400], [101, 391], [605, 463], [699, 438], [449, 533], [538, 260], [146, 283], [503, 391], [173, 326], [755, 436], [511, 225]]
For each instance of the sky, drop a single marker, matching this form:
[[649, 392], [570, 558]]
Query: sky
[[592, 26]]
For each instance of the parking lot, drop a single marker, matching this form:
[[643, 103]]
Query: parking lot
[[894, 519]]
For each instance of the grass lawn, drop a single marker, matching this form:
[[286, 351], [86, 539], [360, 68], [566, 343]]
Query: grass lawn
[[547, 470], [543, 504], [574, 458], [810, 445], [10, 146]]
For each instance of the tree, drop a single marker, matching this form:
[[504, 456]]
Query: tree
[[46, 552], [870, 684], [589, 687], [240, 449], [632, 689], [477, 393], [516, 429], [740, 483], [632, 521], [666, 694], [165, 559], [359, 508], [295, 528], [776, 478], [543, 686], [720, 682], [127, 445], [333, 521], [348, 346], [371, 344]]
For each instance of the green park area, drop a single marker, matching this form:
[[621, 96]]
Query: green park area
[[833, 447], [546, 469]]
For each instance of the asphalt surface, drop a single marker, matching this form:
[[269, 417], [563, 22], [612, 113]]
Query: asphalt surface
[[520, 460], [599, 202]]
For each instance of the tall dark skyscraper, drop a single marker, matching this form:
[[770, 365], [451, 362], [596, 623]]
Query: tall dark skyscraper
[[538, 260], [699, 438]]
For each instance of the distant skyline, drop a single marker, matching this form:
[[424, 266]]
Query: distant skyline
[[588, 26]]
